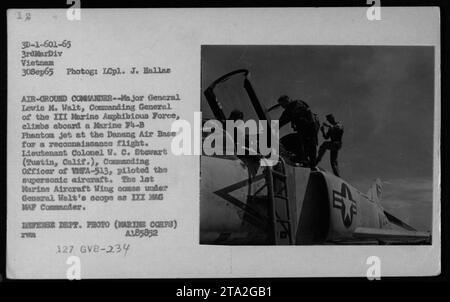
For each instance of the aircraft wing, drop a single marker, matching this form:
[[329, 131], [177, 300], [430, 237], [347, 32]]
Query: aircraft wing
[[391, 236], [402, 233]]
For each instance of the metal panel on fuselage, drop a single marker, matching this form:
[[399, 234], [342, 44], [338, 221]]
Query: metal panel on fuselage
[[226, 184], [349, 209]]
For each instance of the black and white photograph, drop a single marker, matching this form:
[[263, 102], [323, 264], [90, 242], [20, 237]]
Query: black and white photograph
[[355, 145]]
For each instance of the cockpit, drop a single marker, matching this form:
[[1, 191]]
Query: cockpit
[[237, 95]]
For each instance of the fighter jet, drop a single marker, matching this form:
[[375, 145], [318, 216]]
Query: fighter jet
[[245, 203]]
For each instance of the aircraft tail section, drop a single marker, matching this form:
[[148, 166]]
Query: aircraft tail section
[[375, 191], [398, 222]]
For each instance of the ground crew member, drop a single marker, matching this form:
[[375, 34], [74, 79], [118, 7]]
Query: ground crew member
[[334, 134]]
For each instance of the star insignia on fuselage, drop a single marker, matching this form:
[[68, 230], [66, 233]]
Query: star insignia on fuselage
[[343, 200]]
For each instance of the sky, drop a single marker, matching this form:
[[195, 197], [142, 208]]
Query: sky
[[383, 96]]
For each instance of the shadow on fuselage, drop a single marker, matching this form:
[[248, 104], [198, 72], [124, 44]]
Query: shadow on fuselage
[[314, 219]]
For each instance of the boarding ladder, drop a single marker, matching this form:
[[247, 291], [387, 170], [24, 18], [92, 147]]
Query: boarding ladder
[[279, 205]]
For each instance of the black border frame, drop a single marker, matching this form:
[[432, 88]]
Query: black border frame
[[289, 286]]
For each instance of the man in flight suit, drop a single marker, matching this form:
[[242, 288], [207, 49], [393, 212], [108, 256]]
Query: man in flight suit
[[305, 125], [334, 144], [236, 115]]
